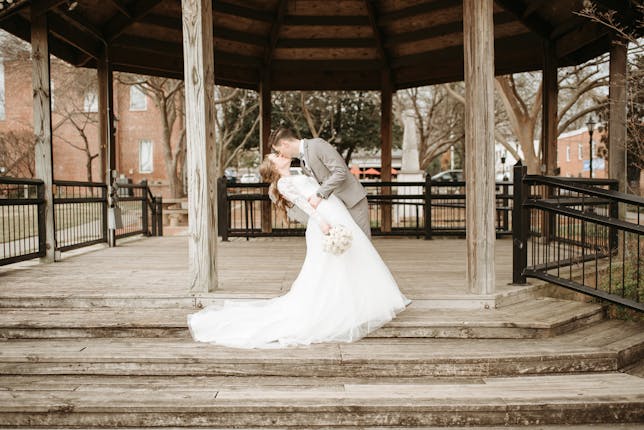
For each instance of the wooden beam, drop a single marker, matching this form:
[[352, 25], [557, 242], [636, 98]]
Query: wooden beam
[[617, 117], [377, 35], [480, 199], [42, 124], [39, 7], [273, 34], [386, 120], [73, 36], [535, 23], [119, 23], [121, 7], [202, 163], [13, 9], [549, 123], [363, 42], [532, 7], [107, 141], [415, 10], [329, 65], [327, 20], [81, 23], [265, 149], [241, 11]]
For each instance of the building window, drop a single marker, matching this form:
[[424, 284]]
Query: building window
[[580, 151], [138, 100], [593, 150], [2, 108], [145, 156], [568, 153], [90, 103]]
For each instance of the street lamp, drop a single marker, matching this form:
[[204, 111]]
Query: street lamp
[[591, 127]]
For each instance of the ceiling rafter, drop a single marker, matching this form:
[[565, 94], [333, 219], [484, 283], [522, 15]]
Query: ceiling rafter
[[73, 36], [241, 11], [119, 23], [418, 9], [121, 7], [280, 13], [377, 35], [534, 22]]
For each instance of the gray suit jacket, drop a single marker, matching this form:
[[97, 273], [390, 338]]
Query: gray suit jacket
[[328, 168]]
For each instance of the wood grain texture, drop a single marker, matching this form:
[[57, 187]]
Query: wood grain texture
[[617, 116], [200, 134], [42, 123], [479, 148], [549, 111], [386, 118]]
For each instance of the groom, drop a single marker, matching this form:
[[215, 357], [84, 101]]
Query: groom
[[321, 161]]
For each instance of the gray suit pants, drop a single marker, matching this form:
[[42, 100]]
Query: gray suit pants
[[360, 214]]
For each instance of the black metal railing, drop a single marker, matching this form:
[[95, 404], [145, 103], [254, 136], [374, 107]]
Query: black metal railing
[[141, 212], [580, 234], [395, 209], [80, 216], [22, 205], [80, 210]]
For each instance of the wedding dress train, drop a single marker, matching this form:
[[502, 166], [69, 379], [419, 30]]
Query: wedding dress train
[[335, 298]]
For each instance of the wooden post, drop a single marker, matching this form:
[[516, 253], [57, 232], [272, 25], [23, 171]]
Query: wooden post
[[265, 127], [42, 123], [549, 125], [199, 76], [617, 116], [106, 128], [478, 32], [386, 99]]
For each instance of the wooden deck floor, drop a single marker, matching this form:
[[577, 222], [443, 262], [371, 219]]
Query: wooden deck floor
[[257, 268]]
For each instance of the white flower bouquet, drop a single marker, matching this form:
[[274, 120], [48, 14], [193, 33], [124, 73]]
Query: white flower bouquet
[[338, 240]]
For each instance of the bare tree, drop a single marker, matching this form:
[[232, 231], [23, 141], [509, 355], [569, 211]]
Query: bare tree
[[17, 154], [75, 100], [167, 96]]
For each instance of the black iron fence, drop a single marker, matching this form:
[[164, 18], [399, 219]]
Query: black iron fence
[[395, 209], [80, 216], [80, 210], [141, 212], [581, 234], [21, 219]]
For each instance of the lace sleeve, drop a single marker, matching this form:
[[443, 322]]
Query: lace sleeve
[[289, 190]]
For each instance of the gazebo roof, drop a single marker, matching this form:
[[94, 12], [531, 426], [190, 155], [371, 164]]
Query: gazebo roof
[[315, 44]]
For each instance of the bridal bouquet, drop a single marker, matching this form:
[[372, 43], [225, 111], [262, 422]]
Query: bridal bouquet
[[338, 240]]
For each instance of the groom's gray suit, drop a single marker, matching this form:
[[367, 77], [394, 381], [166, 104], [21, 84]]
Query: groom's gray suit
[[327, 167]]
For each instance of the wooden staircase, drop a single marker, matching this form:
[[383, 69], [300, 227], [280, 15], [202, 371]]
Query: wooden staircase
[[542, 363]]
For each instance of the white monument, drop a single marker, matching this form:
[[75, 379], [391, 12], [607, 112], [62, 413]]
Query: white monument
[[410, 172]]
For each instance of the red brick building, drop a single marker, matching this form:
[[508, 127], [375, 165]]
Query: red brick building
[[138, 125], [573, 148]]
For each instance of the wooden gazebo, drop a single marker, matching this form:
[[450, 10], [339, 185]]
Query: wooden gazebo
[[320, 44]]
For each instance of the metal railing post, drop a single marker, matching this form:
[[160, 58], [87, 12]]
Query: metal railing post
[[222, 208], [144, 208], [613, 208], [159, 213], [520, 225], [42, 239], [428, 207]]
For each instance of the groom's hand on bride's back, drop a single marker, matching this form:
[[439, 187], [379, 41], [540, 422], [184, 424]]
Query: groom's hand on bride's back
[[314, 201]]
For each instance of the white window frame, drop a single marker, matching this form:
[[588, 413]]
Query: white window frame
[[134, 92], [146, 166], [580, 151], [90, 101], [568, 153], [3, 109]]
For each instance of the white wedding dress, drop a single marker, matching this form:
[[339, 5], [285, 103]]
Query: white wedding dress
[[335, 298]]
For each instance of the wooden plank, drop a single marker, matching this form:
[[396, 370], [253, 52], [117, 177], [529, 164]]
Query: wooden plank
[[265, 149], [549, 112], [617, 118], [480, 199], [119, 23], [200, 135], [42, 124]]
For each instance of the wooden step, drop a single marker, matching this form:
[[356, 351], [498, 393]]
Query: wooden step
[[606, 346], [538, 318], [605, 398]]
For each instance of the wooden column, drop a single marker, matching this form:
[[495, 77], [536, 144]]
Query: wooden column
[[478, 34], [42, 122], [617, 116], [549, 126], [199, 76], [265, 132], [106, 126], [386, 96]]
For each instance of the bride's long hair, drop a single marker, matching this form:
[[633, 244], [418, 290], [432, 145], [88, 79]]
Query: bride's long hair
[[269, 174]]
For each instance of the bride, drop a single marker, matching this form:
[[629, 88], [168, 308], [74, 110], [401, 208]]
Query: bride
[[335, 298]]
